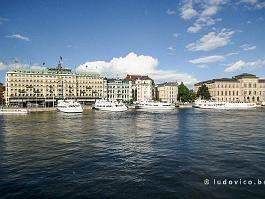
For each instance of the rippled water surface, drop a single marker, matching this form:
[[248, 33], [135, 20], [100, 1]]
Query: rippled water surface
[[132, 154]]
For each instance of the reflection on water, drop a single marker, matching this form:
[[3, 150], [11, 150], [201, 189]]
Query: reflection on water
[[133, 154]]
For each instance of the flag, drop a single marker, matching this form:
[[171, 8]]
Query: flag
[[61, 58], [43, 63]]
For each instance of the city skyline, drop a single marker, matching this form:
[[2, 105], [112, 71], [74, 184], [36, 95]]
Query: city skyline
[[187, 41]]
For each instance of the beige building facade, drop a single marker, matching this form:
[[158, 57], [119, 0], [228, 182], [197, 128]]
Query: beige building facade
[[245, 88], [167, 92], [42, 86], [143, 87]]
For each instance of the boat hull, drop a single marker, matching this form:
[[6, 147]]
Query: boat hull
[[112, 109], [154, 108], [14, 111], [69, 110]]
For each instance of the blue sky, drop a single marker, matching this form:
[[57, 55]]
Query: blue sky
[[169, 40]]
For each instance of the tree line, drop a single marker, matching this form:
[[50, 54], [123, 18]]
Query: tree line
[[187, 95]]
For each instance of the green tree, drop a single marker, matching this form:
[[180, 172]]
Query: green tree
[[183, 93], [203, 92], [192, 96]]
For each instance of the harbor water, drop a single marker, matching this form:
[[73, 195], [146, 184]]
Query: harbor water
[[185, 153]]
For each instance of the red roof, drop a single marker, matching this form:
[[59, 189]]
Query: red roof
[[135, 77]]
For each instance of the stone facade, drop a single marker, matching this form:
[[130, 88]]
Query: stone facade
[[167, 92], [120, 90], [43, 86], [245, 88], [143, 87]]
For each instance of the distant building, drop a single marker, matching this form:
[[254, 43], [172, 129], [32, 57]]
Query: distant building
[[167, 92], [45, 86], [119, 89], [244, 87], [142, 87], [2, 89]]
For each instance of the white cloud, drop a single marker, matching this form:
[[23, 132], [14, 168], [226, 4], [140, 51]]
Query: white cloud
[[247, 47], [256, 4], [187, 11], [232, 53], [208, 59], [3, 66], [242, 64], [17, 65], [171, 48], [171, 12], [209, 11], [204, 13], [202, 22], [18, 36], [135, 64], [211, 41]]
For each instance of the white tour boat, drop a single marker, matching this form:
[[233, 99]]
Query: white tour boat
[[154, 105], [105, 105], [206, 104], [13, 111], [69, 106]]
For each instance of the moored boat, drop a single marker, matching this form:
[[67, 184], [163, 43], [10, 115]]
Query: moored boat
[[69, 106], [105, 105], [154, 105], [206, 104]]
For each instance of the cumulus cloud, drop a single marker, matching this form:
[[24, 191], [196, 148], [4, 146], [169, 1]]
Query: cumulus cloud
[[242, 65], [18, 36], [211, 41], [135, 64], [247, 47], [204, 13], [187, 11], [208, 59]]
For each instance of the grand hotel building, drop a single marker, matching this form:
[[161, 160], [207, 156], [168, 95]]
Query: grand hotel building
[[245, 87], [45, 86]]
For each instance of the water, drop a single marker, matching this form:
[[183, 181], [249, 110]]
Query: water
[[132, 154]]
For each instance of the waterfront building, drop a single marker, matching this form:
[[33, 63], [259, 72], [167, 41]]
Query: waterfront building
[[45, 86], [245, 88], [167, 92], [119, 89], [2, 89], [143, 87]]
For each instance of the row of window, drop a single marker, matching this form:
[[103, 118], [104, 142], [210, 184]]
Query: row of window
[[49, 76], [233, 99], [246, 85], [118, 86], [235, 93], [118, 91]]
